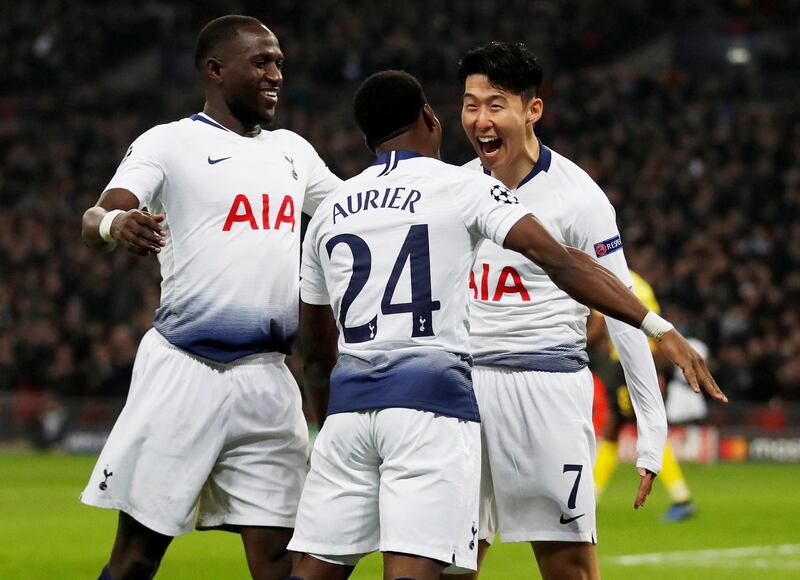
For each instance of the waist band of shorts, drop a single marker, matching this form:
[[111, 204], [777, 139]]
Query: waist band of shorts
[[258, 359]]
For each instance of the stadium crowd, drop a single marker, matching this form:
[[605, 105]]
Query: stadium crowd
[[703, 166]]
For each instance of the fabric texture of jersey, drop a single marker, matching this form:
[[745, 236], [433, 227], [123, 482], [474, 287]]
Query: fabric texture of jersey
[[518, 317], [232, 205], [225, 441], [390, 250]]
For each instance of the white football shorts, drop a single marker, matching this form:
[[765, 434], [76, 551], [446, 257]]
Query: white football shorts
[[539, 450], [228, 441], [394, 480]]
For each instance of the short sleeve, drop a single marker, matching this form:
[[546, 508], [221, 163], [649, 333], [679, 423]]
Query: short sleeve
[[321, 180], [313, 289], [593, 229], [141, 171], [489, 208]]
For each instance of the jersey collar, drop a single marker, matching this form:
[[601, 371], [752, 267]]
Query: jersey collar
[[390, 159], [203, 118], [542, 164]]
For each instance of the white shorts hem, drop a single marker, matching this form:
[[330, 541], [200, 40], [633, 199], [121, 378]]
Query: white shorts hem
[[312, 548], [441, 555], [548, 536], [267, 521], [145, 520]]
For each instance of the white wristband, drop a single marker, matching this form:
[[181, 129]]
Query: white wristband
[[105, 224], [654, 326]]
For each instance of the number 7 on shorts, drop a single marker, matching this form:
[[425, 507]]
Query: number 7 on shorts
[[574, 493]]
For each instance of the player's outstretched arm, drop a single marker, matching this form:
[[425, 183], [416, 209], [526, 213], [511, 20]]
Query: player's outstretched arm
[[575, 273], [580, 276], [116, 218], [317, 340]]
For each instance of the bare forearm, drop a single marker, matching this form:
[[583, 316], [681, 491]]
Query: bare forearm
[[591, 284], [91, 225], [318, 338], [316, 382], [111, 199], [575, 272]]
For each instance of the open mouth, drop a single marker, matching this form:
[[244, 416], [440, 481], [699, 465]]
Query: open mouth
[[269, 94], [489, 145]]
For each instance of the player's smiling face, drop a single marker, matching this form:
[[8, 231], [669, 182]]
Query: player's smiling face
[[497, 122], [253, 77]]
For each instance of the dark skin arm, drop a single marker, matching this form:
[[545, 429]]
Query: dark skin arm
[[317, 341], [138, 231], [580, 276]]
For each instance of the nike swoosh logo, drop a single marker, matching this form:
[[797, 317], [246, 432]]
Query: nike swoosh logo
[[213, 161], [564, 520]]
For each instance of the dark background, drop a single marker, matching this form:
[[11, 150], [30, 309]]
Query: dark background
[[685, 113]]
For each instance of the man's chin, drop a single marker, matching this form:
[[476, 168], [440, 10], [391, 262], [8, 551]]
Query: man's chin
[[489, 162]]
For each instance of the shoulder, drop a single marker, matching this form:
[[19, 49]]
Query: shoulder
[[292, 141], [574, 183], [474, 165], [470, 174], [166, 131], [157, 143]]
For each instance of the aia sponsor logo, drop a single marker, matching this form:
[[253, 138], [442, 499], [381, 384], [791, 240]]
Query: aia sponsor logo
[[241, 212], [509, 281]]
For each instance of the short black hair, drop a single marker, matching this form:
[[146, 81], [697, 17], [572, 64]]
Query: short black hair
[[218, 31], [386, 104], [508, 65]]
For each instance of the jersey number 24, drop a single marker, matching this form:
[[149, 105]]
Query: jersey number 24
[[416, 249]]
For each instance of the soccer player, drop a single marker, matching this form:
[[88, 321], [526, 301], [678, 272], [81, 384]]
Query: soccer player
[[213, 426], [396, 465], [605, 361], [528, 336]]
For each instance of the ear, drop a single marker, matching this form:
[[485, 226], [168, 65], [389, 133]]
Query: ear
[[535, 109], [213, 69], [368, 144], [429, 118]]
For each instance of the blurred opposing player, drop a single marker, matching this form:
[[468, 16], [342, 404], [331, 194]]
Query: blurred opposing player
[[685, 406], [528, 337], [213, 417], [396, 465]]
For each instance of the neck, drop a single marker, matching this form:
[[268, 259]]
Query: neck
[[224, 116], [518, 168], [410, 142]]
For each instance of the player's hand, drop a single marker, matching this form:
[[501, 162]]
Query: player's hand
[[139, 231], [645, 486], [679, 351]]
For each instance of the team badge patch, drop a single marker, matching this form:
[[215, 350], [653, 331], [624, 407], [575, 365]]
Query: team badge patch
[[503, 195], [608, 246]]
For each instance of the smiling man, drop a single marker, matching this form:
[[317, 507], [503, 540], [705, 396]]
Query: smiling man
[[212, 433], [528, 337]]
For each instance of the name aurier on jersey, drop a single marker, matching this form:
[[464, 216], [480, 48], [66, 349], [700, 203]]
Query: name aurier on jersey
[[389, 198]]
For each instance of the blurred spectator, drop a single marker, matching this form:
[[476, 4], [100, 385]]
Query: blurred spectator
[[703, 165]]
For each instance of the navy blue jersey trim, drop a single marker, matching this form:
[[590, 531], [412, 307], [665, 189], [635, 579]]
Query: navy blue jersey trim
[[390, 159], [207, 121], [386, 167], [542, 164]]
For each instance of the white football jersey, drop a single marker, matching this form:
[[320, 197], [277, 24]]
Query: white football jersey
[[230, 267], [519, 318], [391, 252]]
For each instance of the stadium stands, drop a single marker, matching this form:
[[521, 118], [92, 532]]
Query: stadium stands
[[700, 155]]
